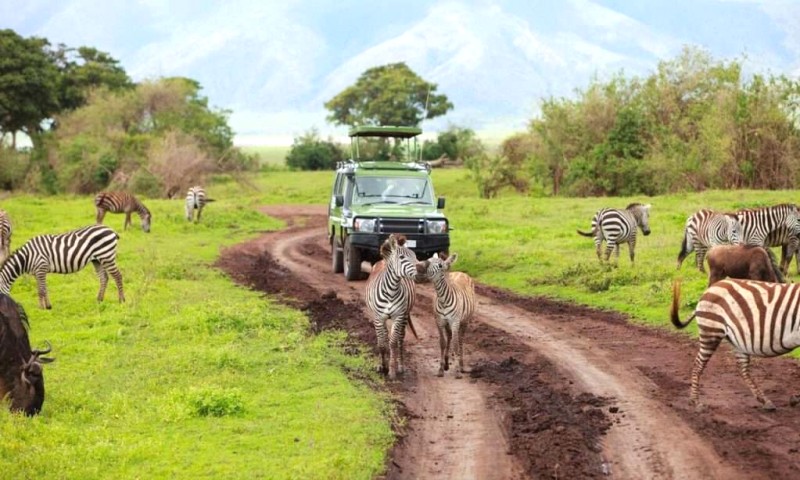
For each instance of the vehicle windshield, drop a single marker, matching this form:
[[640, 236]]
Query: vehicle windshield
[[402, 190]]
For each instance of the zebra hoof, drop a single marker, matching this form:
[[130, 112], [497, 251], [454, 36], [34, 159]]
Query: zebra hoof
[[440, 373], [794, 400], [458, 375], [700, 407], [768, 406]]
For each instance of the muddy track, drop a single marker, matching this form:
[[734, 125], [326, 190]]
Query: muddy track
[[556, 390]]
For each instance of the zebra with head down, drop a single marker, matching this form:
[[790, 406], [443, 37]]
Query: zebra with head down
[[390, 297]]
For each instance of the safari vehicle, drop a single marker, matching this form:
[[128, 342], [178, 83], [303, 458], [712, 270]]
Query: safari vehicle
[[374, 198]]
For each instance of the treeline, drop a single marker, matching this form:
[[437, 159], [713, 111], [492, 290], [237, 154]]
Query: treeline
[[91, 127], [695, 123]]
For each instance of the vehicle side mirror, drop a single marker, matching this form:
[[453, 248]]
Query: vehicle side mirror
[[440, 203], [339, 200]]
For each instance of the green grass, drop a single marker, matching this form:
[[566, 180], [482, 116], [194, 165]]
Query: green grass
[[193, 377], [272, 155]]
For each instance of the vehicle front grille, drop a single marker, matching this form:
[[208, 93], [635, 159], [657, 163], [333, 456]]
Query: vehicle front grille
[[401, 225]]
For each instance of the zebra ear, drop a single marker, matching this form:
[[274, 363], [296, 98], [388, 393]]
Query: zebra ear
[[451, 260], [647, 207], [435, 255]]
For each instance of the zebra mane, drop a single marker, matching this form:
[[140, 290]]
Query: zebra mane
[[633, 205], [385, 249]]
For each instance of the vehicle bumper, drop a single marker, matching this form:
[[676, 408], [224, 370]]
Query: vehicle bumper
[[426, 245]]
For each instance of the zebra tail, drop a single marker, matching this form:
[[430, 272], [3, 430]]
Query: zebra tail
[[676, 301], [684, 250], [209, 200], [590, 234], [99, 199], [411, 326], [775, 266]]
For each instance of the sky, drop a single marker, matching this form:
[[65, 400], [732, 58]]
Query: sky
[[274, 64]]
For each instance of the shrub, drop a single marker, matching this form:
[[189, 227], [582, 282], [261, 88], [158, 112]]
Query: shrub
[[310, 152]]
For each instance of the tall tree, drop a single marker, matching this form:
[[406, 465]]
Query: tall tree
[[388, 95], [28, 85], [83, 69]]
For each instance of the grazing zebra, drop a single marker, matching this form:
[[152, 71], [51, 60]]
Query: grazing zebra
[[5, 236], [121, 202], [757, 318], [774, 226], [455, 303], [65, 253], [390, 298], [618, 226], [195, 200], [706, 229]]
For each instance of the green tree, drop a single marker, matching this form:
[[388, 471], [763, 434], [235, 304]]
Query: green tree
[[388, 95], [83, 69], [28, 86], [310, 152]]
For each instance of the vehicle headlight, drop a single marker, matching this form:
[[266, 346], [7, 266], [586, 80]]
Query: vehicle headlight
[[437, 226], [364, 225]]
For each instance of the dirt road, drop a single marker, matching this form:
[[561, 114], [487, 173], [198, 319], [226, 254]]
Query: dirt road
[[555, 390]]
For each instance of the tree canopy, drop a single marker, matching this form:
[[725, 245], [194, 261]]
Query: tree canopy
[[388, 95]]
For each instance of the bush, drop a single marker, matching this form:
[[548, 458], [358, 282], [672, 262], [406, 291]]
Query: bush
[[13, 167], [309, 152]]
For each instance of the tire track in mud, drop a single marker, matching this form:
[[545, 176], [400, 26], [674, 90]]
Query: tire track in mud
[[540, 372]]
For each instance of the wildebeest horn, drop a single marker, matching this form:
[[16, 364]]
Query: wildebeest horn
[[37, 353]]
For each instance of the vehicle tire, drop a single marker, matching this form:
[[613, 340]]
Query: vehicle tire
[[352, 261], [337, 256]]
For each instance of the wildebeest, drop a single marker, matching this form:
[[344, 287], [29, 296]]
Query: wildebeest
[[743, 261], [21, 379]]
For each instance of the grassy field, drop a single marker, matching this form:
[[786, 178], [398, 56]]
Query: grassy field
[[269, 155], [193, 377], [529, 244]]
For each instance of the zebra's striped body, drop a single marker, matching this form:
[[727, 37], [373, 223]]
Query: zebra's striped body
[[774, 226], [455, 304], [618, 226], [706, 229], [121, 202], [758, 318], [195, 200], [65, 253], [390, 297], [5, 236]]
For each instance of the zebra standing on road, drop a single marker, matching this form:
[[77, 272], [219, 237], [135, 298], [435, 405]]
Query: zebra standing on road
[[5, 236], [121, 202], [65, 253], [758, 318], [618, 226], [390, 298], [774, 226], [706, 229], [455, 303], [195, 200]]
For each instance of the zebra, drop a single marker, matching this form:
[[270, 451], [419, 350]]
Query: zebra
[[195, 200], [390, 297], [455, 304], [774, 226], [757, 318], [706, 229], [618, 226], [65, 253], [122, 202], [5, 236]]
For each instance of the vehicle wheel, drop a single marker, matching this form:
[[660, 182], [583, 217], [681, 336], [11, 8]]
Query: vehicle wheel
[[337, 260], [352, 261]]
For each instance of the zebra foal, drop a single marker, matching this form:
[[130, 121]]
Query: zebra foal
[[5, 236], [121, 202], [65, 253], [757, 318], [455, 304], [706, 229], [390, 297], [618, 226], [196, 199]]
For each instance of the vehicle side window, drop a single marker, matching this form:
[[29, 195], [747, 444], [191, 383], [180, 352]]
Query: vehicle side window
[[337, 184]]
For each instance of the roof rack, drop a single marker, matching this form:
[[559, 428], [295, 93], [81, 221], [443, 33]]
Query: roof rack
[[384, 131], [372, 165]]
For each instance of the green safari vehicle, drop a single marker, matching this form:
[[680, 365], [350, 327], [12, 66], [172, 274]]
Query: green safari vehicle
[[372, 199]]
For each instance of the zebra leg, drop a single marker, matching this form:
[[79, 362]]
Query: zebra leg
[[400, 326], [100, 214], [443, 343], [127, 220], [699, 257], [743, 360], [41, 283], [631, 248], [199, 212], [393, 353], [111, 269], [103, 277], [708, 345], [381, 337], [598, 246], [457, 353]]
